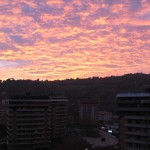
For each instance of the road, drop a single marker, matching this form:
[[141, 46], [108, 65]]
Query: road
[[109, 140]]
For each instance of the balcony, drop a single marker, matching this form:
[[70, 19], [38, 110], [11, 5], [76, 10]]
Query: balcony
[[27, 119], [136, 141], [26, 123], [29, 133], [30, 123], [138, 125], [138, 133], [29, 105], [133, 109], [132, 148], [31, 128], [31, 142], [138, 117], [33, 137]]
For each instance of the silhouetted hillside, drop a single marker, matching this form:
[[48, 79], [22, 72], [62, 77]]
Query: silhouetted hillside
[[103, 89]]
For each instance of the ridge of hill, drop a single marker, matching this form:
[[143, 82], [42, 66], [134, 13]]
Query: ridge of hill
[[102, 89]]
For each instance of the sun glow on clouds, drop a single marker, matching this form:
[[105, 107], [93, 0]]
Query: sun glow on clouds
[[58, 39]]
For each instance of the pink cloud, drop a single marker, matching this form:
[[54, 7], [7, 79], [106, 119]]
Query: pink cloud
[[109, 39]]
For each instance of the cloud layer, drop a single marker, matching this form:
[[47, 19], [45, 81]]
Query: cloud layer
[[58, 39]]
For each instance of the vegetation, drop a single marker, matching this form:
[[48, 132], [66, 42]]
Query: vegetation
[[102, 89]]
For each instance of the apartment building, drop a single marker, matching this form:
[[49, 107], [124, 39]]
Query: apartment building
[[35, 121], [88, 112], [134, 121], [3, 112], [59, 108]]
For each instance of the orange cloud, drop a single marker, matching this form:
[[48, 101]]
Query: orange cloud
[[101, 21], [54, 2]]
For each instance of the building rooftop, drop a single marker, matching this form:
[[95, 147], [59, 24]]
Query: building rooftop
[[133, 95], [37, 97], [15, 97]]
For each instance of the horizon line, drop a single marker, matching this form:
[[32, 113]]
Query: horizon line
[[77, 78]]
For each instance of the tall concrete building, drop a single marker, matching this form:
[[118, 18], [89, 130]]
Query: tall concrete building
[[88, 112], [134, 121], [35, 121], [3, 112]]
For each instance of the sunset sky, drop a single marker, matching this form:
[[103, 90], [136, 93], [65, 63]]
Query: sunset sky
[[59, 39]]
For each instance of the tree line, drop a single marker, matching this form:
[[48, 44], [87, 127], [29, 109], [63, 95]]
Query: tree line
[[102, 89]]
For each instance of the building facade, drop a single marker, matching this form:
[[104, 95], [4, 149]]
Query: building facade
[[88, 112], [134, 121], [105, 116], [35, 121], [3, 112]]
